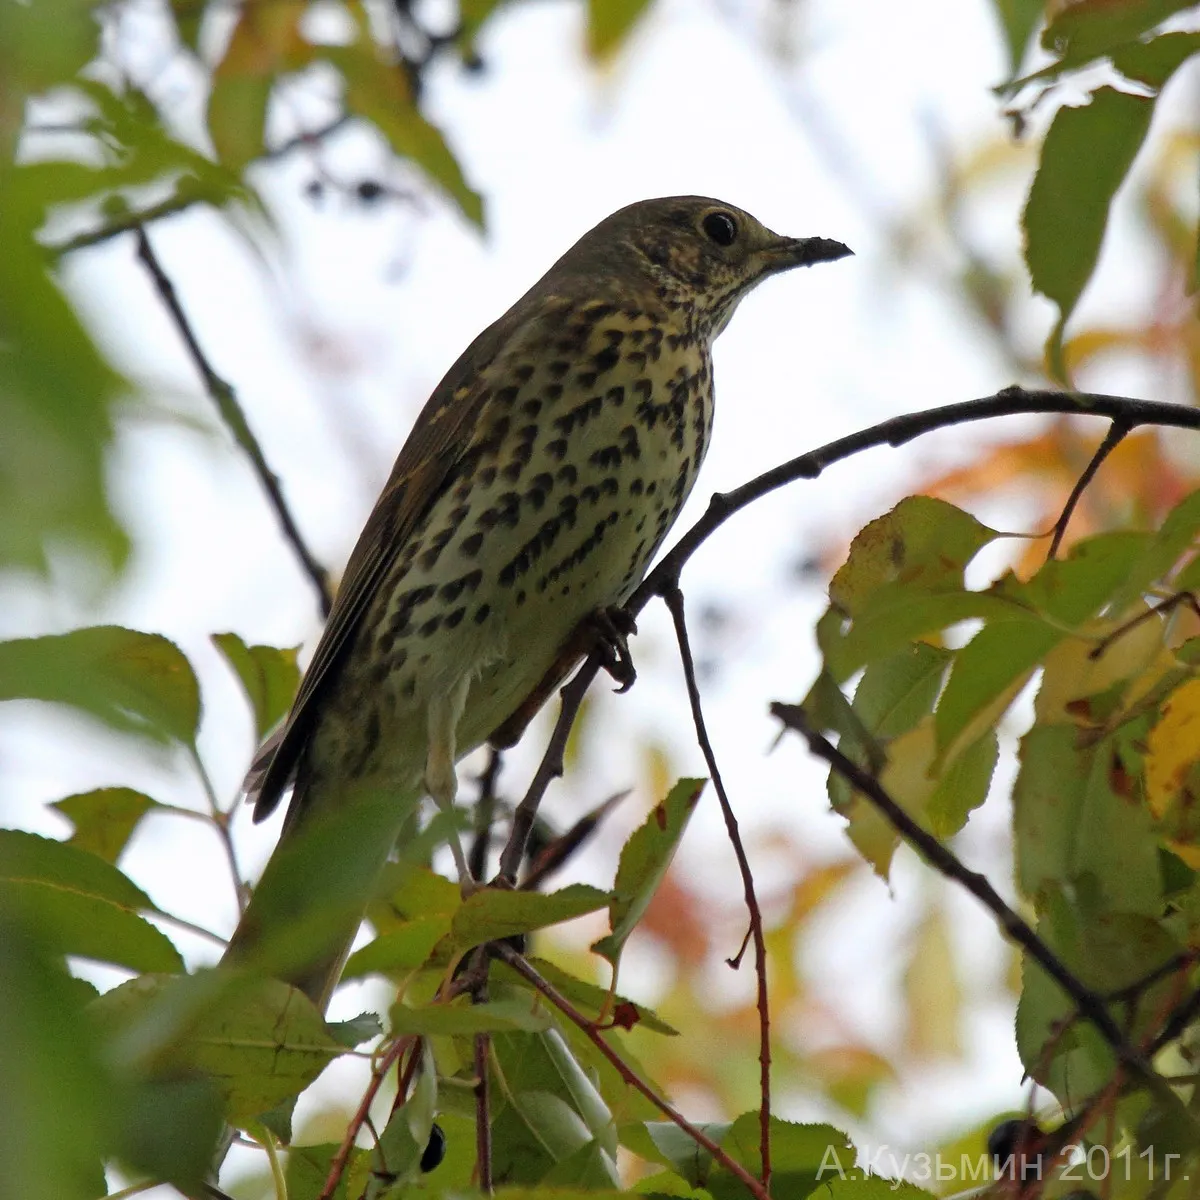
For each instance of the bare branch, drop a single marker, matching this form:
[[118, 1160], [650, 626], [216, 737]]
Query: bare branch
[[518, 963], [1089, 1003], [674, 601], [1117, 432], [224, 397]]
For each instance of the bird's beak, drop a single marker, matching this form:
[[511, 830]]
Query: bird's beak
[[804, 252]]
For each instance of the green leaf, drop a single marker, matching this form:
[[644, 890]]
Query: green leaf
[[803, 1157], [963, 786], [405, 948], [593, 1000], [610, 23], [922, 542], [1086, 155], [79, 904], [1071, 826], [379, 92], [104, 819], [548, 1110], [1155, 61], [308, 1168], [1070, 590], [1018, 19], [494, 913], [1087, 29], [357, 1030], [57, 1094], [896, 692], [260, 1041], [645, 858], [136, 682], [269, 677], [1164, 549], [987, 674], [463, 1019]]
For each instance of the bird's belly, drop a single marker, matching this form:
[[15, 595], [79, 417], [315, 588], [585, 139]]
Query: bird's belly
[[512, 557]]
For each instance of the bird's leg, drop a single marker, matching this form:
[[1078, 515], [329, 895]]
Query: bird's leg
[[441, 780], [605, 629]]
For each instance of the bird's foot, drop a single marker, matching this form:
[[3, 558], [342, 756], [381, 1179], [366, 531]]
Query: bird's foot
[[609, 630]]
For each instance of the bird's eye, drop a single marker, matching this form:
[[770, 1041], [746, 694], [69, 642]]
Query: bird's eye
[[720, 227]]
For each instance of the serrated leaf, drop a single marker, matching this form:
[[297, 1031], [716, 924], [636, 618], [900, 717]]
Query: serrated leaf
[[609, 24], [494, 913], [987, 674], [357, 1030], [104, 819], [1086, 155], [645, 858], [803, 1157], [79, 904], [896, 692], [308, 1168], [135, 682], [268, 676]]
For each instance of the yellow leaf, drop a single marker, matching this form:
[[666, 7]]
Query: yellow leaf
[[1173, 747]]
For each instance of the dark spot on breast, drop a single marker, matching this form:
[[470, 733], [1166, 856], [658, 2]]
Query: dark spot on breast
[[429, 627], [523, 373], [558, 368], [507, 395], [567, 474], [531, 408], [470, 545], [453, 618], [585, 379], [481, 613], [552, 391], [557, 449], [605, 360]]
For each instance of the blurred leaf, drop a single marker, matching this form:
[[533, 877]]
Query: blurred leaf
[[1155, 61], [80, 904], [379, 92], [136, 682], [896, 692], [1085, 158], [466, 1019], [610, 23], [105, 819], [266, 41], [57, 1096], [933, 1000], [473, 14], [404, 948], [963, 786], [169, 1129], [645, 858], [494, 913], [1018, 19], [308, 1168], [1085, 29], [268, 676], [803, 1157], [262, 1043]]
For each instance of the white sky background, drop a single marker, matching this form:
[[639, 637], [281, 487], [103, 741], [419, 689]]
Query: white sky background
[[335, 342]]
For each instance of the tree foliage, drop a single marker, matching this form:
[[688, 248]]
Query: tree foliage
[[928, 663]]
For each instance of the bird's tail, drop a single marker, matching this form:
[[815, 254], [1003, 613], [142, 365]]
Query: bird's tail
[[314, 890]]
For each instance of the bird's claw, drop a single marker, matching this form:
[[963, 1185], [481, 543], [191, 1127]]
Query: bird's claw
[[611, 629]]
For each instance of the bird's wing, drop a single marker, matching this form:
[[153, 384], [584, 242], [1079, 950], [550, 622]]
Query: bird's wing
[[440, 439]]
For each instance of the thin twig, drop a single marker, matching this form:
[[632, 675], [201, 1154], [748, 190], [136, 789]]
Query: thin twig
[[1089, 1003], [551, 767], [337, 1164], [674, 601], [552, 857], [518, 963], [125, 223], [1154, 610], [1117, 432], [483, 1114], [484, 813], [225, 398], [219, 819]]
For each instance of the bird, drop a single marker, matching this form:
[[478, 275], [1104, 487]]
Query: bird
[[536, 486]]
